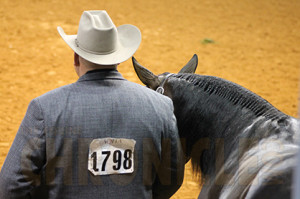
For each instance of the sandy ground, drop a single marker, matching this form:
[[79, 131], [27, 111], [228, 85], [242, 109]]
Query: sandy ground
[[256, 43]]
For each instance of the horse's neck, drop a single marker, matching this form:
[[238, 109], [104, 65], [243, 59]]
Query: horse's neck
[[201, 114], [206, 119], [213, 106]]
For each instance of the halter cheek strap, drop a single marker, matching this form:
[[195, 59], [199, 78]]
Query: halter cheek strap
[[160, 89]]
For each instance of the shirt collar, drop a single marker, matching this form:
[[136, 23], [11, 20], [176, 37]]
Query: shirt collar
[[101, 75]]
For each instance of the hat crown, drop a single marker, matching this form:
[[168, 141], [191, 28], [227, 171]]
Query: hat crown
[[97, 33]]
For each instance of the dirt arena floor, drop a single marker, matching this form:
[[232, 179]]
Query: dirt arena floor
[[255, 43]]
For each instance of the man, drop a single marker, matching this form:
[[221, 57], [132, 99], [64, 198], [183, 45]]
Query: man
[[100, 137]]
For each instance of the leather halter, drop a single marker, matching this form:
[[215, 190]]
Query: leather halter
[[160, 89]]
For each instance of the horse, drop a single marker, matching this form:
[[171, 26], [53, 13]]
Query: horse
[[240, 144]]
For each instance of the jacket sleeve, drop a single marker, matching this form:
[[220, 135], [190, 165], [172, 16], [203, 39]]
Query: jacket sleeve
[[171, 171], [20, 172]]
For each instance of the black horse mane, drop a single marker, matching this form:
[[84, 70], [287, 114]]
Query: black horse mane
[[229, 93], [234, 93]]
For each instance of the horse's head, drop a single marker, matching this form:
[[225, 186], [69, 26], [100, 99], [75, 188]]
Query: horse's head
[[160, 84], [154, 81], [213, 114]]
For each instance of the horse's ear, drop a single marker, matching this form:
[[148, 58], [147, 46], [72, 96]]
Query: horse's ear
[[145, 75], [191, 66]]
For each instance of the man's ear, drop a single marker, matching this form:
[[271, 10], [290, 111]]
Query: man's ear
[[76, 59], [77, 64]]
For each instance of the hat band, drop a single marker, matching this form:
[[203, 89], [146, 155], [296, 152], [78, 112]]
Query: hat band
[[93, 52]]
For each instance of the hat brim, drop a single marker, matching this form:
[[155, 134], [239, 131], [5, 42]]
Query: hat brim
[[129, 41]]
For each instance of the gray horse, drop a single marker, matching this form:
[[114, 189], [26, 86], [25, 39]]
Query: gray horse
[[242, 145]]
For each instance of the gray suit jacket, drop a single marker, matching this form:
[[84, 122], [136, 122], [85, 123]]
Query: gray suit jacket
[[49, 157]]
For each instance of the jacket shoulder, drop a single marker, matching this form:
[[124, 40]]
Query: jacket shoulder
[[148, 91], [52, 94], [149, 94]]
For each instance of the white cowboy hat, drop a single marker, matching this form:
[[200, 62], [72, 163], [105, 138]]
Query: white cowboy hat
[[99, 41]]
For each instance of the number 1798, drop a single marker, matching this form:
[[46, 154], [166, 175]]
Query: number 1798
[[118, 159]]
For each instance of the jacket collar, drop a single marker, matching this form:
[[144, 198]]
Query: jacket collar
[[101, 75]]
